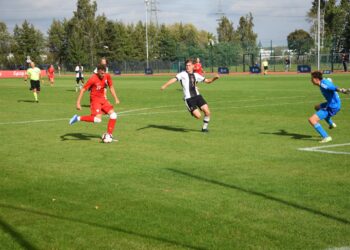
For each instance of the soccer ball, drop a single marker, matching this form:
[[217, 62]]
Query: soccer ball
[[107, 138], [330, 79]]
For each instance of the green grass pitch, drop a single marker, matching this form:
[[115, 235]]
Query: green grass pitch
[[166, 185]]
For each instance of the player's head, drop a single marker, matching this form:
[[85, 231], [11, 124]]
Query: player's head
[[316, 77], [103, 61], [101, 70], [198, 60], [189, 65], [32, 64]]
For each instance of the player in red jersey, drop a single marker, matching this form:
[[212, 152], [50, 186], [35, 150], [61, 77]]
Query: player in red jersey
[[51, 74], [197, 67], [99, 104]]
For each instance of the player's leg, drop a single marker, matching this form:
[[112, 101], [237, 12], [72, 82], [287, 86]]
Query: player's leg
[[192, 108], [205, 108], [36, 90], [112, 121], [206, 119], [77, 84], [96, 115], [107, 108], [314, 121]]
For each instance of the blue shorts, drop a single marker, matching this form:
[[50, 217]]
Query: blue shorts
[[326, 111]]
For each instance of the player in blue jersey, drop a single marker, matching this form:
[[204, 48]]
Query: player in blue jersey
[[326, 110]]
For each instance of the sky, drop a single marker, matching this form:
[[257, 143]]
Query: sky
[[273, 19]]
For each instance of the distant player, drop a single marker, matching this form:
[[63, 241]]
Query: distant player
[[327, 109], [265, 65], [51, 74], [197, 67], [193, 100], [79, 77], [103, 61], [34, 74], [99, 105]]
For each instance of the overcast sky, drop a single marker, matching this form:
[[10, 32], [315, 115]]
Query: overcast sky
[[273, 19]]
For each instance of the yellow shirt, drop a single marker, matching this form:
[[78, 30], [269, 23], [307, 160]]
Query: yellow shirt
[[34, 73], [265, 63]]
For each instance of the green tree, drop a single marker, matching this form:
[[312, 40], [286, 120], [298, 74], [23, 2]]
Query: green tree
[[57, 41], [246, 34], [225, 30], [334, 17], [167, 44], [345, 41], [300, 41], [5, 45], [28, 41]]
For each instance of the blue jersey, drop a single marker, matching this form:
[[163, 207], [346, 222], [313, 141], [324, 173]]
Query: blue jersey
[[329, 92]]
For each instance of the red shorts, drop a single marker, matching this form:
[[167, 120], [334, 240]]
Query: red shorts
[[50, 77], [100, 106]]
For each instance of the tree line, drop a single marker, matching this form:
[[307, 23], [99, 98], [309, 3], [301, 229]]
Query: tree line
[[86, 37], [334, 28]]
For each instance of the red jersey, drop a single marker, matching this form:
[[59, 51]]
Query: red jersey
[[197, 68], [97, 86], [50, 71]]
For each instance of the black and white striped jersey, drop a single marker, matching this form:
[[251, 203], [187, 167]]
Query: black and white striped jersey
[[189, 83]]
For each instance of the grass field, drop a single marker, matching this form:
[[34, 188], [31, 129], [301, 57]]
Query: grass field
[[166, 185]]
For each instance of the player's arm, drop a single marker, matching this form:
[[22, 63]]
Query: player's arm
[[114, 94], [168, 83], [26, 76], [81, 93], [343, 90], [210, 80]]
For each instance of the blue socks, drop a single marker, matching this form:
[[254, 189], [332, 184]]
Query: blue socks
[[329, 121], [320, 130]]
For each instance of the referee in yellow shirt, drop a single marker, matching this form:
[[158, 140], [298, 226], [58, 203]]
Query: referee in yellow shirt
[[34, 74]]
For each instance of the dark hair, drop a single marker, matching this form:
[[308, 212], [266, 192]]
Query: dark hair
[[317, 74], [189, 60], [101, 67]]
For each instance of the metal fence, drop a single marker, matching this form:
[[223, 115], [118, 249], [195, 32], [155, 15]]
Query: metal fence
[[333, 62]]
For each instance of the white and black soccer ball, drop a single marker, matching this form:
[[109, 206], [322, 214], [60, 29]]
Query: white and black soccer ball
[[107, 138], [329, 79]]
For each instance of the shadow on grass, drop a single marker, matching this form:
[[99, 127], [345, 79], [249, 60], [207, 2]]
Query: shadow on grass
[[78, 137], [93, 224], [25, 101], [295, 136], [265, 196], [16, 235], [169, 128]]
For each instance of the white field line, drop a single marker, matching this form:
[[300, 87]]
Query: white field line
[[320, 149], [132, 111]]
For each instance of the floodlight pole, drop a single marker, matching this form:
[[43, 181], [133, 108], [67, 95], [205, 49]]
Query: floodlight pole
[[318, 33], [146, 3]]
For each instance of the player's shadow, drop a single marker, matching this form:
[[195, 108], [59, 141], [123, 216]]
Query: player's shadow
[[261, 195], [283, 132], [25, 101], [18, 237], [89, 223], [169, 128], [78, 137]]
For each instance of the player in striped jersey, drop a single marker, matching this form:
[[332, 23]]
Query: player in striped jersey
[[193, 99]]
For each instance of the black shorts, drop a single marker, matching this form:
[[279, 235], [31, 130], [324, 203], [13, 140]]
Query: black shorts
[[195, 102], [34, 85], [266, 67], [80, 79]]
